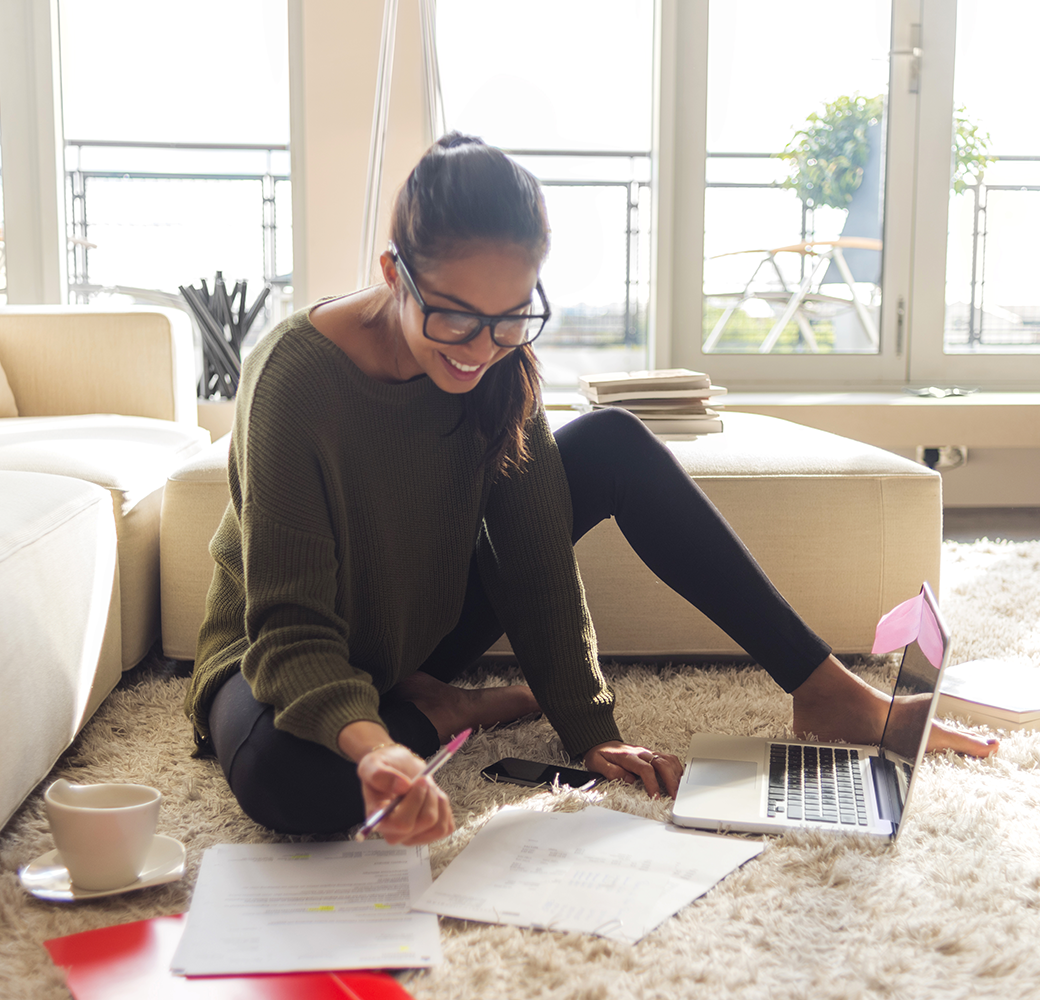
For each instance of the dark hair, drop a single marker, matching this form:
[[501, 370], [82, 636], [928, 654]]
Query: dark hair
[[461, 191]]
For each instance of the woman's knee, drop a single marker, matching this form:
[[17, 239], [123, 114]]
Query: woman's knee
[[281, 781], [601, 430], [295, 786], [597, 444]]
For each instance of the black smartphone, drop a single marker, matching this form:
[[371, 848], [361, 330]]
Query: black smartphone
[[533, 773]]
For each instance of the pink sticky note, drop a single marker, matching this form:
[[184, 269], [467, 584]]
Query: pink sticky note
[[906, 622]]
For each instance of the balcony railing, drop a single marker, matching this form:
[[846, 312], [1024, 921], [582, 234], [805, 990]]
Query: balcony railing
[[983, 326], [624, 321], [237, 168], [98, 219], [976, 324]]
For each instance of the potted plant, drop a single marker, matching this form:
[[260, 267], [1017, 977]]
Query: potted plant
[[826, 158], [828, 155], [969, 153]]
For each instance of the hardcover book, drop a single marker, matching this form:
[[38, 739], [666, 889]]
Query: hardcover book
[[672, 402], [1002, 694]]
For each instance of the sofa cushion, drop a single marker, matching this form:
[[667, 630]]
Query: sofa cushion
[[59, 646], [131, 458], [8, 406]]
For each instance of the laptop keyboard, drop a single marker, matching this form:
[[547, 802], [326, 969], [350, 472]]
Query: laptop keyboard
[[819, 784]]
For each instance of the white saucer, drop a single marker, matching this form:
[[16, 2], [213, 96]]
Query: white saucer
[[48, 878]]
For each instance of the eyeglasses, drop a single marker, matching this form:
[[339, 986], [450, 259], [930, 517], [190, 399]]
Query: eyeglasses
[[453, 326]]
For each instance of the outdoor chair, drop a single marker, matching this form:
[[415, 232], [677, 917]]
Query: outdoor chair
[[797, 302], [831, 267]]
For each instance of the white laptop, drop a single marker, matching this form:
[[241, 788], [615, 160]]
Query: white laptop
[[752, 785]]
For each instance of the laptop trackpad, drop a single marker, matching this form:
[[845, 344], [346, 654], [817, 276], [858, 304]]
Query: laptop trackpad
[[721, 773], [717, 788]]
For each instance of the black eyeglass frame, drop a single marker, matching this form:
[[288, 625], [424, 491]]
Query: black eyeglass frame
[[485, 321]]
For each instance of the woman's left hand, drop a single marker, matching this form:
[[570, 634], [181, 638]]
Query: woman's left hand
[[659, 772]]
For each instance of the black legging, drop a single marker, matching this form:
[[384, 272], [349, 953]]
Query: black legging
[[615, 468]]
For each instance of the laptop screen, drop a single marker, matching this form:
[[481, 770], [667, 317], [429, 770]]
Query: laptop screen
[[905, 738]]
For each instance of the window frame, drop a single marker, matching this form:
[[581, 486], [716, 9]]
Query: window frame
[[916, 216]]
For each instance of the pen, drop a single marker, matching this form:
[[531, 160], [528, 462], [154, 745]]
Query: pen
[[437, 761]]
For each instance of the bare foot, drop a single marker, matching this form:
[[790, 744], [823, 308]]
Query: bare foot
[[835, 704], [452, 709]]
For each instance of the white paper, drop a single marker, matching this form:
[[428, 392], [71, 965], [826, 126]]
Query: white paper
[[596, 871], [297, 907]]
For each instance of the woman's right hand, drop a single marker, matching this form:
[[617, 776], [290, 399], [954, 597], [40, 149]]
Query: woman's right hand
[[424, 814]]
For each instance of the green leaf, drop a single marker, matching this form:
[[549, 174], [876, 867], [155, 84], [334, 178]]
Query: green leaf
[[827, 155]]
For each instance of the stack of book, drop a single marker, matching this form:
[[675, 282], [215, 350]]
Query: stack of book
[[672, 402]]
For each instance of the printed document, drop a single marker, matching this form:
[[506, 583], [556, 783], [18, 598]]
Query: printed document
[[596, 871], [298, 907]]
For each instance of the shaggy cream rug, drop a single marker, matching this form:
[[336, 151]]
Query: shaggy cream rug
[[952, 911]]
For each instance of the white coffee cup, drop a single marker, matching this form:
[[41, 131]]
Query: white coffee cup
[[102, 832]]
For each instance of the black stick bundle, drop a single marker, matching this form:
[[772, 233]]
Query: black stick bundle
[[224, 325]]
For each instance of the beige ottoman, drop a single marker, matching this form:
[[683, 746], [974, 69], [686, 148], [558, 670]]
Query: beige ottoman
[[845, 531], [193, 503], [59, 645]]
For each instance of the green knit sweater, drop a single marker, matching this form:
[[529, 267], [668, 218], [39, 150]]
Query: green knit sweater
[[342, 558]]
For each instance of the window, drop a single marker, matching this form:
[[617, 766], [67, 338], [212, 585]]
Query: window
[[176, 152], [3, 255], [568, 88], [654, 126], [992, 297], [795, 269], [951, 300]]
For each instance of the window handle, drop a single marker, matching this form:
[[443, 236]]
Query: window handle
[[915, 52]]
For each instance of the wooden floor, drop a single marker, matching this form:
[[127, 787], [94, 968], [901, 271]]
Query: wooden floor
[[1016, 524]]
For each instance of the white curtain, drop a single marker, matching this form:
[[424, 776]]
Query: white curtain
[[434, 117]]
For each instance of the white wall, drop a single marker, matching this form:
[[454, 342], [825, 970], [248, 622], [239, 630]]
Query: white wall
[[1001, 432], [333, 61], [33, 152], [992, 477]]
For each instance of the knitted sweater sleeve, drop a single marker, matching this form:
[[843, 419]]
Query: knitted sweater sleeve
[[527, 563], [290, 552]]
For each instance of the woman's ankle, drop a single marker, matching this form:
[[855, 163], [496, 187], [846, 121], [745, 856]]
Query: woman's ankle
[[451, 709], [834, 704]]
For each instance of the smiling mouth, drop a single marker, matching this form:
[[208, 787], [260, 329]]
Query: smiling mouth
[[467, 369]]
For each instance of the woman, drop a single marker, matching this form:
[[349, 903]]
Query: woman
[[397, 500]]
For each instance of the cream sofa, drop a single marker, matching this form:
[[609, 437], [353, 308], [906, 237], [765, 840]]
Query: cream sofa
[[845, 530], [60, 643], [96, 408]]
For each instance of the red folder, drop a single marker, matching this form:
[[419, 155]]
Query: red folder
[[132, 962]]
